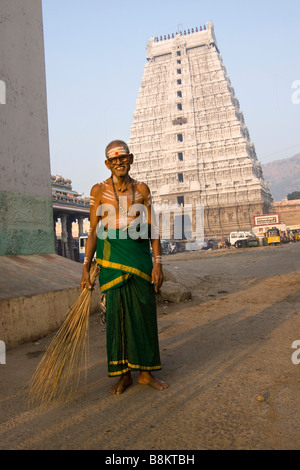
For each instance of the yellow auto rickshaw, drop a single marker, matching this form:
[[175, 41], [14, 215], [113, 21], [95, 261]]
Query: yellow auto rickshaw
[[297, 235], [273, 236]]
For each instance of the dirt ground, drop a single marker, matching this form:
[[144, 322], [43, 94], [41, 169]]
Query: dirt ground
[[226, 355]]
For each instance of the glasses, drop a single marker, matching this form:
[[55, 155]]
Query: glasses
[[122, 159]]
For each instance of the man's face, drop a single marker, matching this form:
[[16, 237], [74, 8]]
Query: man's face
[[119, 166]]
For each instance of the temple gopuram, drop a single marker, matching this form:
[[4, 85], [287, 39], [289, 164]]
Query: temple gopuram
[[189, 138]]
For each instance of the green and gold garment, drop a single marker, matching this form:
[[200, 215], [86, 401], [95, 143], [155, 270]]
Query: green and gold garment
[[131, 321], [121, 256]]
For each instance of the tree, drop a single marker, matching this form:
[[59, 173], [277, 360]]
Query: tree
[[293, 195]]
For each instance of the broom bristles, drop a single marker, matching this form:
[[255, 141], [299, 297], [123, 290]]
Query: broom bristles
[[58, 373]]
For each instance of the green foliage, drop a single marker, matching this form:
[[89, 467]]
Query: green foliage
[[293, 195]]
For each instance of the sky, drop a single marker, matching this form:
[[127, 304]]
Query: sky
[[95, 53]]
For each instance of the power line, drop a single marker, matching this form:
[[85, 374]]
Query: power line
[[282, 150]]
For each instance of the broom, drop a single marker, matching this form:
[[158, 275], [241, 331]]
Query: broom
[[58, 373]]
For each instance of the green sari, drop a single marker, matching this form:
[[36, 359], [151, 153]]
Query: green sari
[[131, 321]]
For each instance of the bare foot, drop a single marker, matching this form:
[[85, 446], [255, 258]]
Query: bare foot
[[120, 387], [146, 378]]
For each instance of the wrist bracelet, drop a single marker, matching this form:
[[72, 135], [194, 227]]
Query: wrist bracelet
[[158, 259]]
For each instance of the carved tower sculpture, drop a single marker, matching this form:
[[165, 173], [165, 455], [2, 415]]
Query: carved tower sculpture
[[189, 138]]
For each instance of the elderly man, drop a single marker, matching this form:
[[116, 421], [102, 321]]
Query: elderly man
[[127, 277]]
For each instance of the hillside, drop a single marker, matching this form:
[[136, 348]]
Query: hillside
[[283, 176]]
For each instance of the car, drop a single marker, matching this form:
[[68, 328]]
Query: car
[[242, 239]]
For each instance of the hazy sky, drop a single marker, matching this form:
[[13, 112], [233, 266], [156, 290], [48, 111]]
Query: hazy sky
[[95, 55]]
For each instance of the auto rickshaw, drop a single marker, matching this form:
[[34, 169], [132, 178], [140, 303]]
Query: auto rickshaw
[[297, 235], [273, 236]]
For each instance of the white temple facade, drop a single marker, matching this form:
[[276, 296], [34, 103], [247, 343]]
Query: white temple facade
[[189, 138]]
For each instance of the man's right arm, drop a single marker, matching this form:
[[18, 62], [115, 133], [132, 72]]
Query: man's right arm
[[91, 242]]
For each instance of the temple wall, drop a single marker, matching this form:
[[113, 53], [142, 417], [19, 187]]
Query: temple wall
[[289, 212]]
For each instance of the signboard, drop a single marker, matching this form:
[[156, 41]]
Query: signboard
[[266, 219]]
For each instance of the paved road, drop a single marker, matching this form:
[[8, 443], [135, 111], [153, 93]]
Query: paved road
[[226, 355]]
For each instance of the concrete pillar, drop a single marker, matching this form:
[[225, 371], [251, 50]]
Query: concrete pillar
[[64, 236], [80, 226], [54, 225], [70, 237], [26, 214]]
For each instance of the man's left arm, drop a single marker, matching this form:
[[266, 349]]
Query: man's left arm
[[157, 273]]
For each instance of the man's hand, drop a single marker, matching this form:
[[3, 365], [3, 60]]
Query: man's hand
[[157, 276], [85, 281]]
